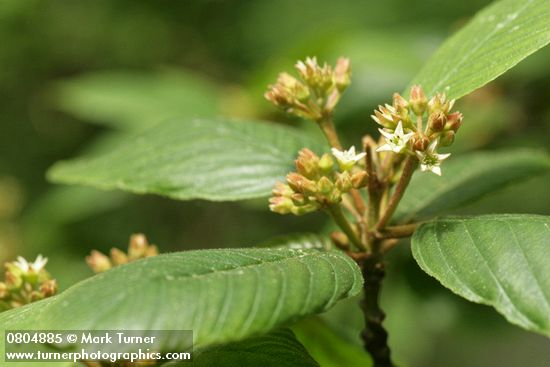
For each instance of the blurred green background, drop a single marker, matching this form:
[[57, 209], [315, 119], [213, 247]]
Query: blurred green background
[[77, 76]]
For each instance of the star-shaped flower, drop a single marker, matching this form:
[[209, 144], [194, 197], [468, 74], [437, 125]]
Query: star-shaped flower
[[35, 266], [430, 160], [347, 158], [395, 142]]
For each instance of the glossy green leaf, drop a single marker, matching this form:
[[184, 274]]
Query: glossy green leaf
[[193, 159], [222, 295], [467, 178], [301, 241], [496, 39], [276, 349], [498, 260], [132, 100]]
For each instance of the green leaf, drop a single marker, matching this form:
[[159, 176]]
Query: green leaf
[[276, 349], [496, 39], [498, 260], [300, 241], [328, 348], [193, 159], [222, 295], [467, 178], [132, 100]]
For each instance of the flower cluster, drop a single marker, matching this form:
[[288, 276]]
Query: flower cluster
[[317, 92], [25, 282], [418, 126], [316, 183], [138, 248]]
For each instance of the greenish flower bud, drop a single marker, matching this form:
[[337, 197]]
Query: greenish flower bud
[[325, 185], [359, 179], [418, 100], [343, 182], [14, 276], [98, 262], [307, 163], [440, 103], [301, 184], [301, 210], [298, 199], [326, 163], [401, 106], [447, 138], [281, 189], [319, 78], [334, 197], [118, 257], [138, 246], [342, 74], [386, 116], [281, 204]]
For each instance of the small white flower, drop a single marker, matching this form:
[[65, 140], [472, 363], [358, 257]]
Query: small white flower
[[36, 266], [430, 160], [395, 142], [347, 158]]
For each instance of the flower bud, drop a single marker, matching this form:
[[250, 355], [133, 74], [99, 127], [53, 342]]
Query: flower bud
[[325, 185], [118, 257], [98, 262], [386, 116], [280, 204], [342, 74], [418, 100], [301, 184], [48, 288], [343, 182], [298, 199], [401, 106], [436, 121], [447, 138], [316, 77], [420, 142], [304, 209], [454, 121], [326, 163], [14, 276], [138, 246], [440, 103], [281, 189], [287, 92], [334, 197], [307, 163], [359, 179], [152, 250]]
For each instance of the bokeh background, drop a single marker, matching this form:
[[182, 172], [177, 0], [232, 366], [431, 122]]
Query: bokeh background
[[77, 76]]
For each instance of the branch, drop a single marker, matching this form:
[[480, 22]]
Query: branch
[[406, 175], [336, 212], [374, 335]]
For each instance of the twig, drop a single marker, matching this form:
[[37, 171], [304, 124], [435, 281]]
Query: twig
[[336, 212], [374, 335], [327, 126], [408, 170], [373, 184], [401, 231]]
